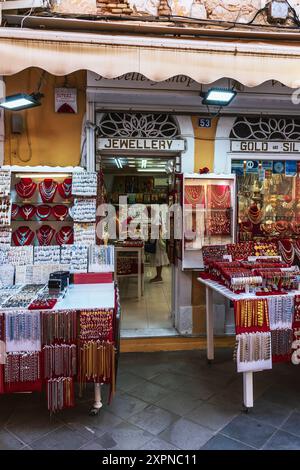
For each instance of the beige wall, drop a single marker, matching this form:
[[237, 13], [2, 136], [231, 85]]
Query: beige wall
[[49, 138]]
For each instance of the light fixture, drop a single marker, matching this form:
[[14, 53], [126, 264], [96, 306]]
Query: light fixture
[[144, 164], [151, 170], [43, 175], [118, 163], [21, 101], [218, 96], [278, 11]]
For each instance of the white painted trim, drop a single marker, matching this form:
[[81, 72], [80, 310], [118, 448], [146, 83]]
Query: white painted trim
[[187, 132], [234, 47], [90, 137], [222, 160], [2, 133]]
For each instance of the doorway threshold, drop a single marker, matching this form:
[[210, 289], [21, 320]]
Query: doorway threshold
[[148, 332]]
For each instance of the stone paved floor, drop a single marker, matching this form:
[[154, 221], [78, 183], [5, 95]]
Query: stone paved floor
[[166, 400]]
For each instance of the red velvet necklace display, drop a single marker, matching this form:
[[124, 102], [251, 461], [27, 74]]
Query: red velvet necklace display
[[65, 236], [60, 212], [27, 211], [43, 211], [47, 189], [23, 236], [65, 188], [45, 234], [25, 188]]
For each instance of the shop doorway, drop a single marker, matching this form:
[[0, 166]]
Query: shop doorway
[[148, 181]]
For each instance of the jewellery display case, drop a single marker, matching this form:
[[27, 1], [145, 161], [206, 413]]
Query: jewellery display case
[[44, 204], [209, 215], [268, 199]]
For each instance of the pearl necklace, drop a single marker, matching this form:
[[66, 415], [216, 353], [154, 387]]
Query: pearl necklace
[[23, 236], [47, 189], [65, 188], [25, 188], [287, 254], [45, 234], [65, 236]]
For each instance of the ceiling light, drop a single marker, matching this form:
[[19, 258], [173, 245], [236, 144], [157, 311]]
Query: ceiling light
[[219, 96], [151, 170], [118, 163], [21, 101], [144, 164]]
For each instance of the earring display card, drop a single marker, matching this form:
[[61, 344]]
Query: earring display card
[[66, 254], [5, 178], [84, 210], [84, 234], [46, 254], [79, 259], [84, 183], [4, 250], [20, 255], [102, 259], [7, 273], [5, 236], [5, 211]]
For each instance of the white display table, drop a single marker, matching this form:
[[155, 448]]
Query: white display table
[[215, 286]]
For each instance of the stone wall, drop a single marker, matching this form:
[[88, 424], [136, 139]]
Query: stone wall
[[240, 11]]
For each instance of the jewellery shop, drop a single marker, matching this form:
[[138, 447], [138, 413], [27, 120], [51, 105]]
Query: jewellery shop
[[59, 304]]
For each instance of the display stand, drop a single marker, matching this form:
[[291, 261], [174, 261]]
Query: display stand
[[212, 286], [139, 250]]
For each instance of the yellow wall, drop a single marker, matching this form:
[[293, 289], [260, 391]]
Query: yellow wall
[[204, 144], [51, 138], [204, 156]]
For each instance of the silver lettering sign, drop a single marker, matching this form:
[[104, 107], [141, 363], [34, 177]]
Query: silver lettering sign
[[256, 146]]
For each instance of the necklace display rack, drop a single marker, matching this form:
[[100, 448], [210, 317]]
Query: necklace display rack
[[267, 321], [52, 348], [45, 203]]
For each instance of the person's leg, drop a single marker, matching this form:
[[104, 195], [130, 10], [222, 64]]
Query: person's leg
[[158, 277], [158, 272]]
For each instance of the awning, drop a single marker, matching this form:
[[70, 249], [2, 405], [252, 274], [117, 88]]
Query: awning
[[60, 53]]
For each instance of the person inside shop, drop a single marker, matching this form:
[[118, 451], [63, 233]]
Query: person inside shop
[[158, 254]]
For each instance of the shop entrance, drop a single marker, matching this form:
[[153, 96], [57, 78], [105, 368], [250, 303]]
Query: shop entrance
[[146, 181]]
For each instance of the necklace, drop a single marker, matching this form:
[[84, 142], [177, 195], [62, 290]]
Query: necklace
[[60, 212], [23, 236], [14, 211], [65, 236], [254, 214], [194, 195], [287, 251], [220, 196], [27, 211], [65, 188], [45, 234], [43, 211], [47, 189], [25, 188]]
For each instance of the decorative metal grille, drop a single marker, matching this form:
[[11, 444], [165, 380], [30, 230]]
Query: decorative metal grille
[[138, 125], [266, 128]]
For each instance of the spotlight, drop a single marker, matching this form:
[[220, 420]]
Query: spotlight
[[218, 96], [21, 101]]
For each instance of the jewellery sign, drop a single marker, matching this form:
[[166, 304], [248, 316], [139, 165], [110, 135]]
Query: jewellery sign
[[257, 146], [163, 145]]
